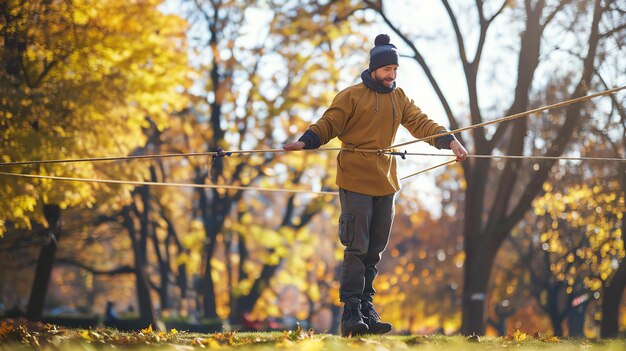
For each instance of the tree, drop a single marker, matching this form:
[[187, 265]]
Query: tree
[[613, 287], [258, 93], [582, 233], [419, 285], [73, 75], [488, 221]]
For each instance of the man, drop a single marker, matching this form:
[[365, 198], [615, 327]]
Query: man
[[367, 116]]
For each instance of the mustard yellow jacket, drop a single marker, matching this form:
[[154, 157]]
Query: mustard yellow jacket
[[368, 119]]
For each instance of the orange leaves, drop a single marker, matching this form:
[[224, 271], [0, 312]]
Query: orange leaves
[[5, 329], [519, 336]]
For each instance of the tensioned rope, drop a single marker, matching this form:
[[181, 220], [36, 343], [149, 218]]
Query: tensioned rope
[[188, 185], [526, 157], [220, 153], [130, 182], [511, 117], [428, 169], [500, 156]]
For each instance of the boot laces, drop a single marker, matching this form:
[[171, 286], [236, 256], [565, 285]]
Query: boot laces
[[353, 310], [371, 312]]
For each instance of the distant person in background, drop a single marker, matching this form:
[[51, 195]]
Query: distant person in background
[[110, 315], [367, 116]]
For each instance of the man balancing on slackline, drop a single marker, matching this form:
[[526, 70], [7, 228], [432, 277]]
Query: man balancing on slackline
[[367, 116]]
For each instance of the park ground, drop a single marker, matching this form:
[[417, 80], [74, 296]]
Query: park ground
[[18, 335]]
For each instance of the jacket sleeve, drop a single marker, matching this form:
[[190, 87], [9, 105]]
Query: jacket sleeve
[[334, 120], [421, 126]]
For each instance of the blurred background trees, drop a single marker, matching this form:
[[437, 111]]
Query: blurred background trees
[[485, 246]]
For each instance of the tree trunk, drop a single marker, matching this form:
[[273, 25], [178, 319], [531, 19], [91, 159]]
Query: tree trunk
[[482, 240], [146, 311], [557, 327], [207, 287], [45, 262], [144, 300], [576, 320], [613, 290], [553, 308], [501, 325], [612, 294], [476, 279], [164, 270], [245, 303]]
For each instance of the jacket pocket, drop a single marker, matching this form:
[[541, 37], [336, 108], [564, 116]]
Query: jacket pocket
[[346, 229]]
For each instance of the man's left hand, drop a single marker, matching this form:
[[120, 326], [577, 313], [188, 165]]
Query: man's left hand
[[459, 150]]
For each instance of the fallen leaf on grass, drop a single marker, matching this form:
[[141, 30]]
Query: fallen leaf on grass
[[147, 330], [517, 335], [552, 339]]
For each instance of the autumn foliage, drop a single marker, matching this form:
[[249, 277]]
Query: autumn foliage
[[496, 246]]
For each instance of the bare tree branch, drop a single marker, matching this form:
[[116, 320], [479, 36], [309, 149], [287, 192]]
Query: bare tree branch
[[126, 269], [457, 31], [534, 187], [422, 62], [561, 5]]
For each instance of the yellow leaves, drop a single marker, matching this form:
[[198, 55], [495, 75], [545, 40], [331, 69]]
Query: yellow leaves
[[547, 187], [298, 335], [517, 336], [95, 103], [147, 330], [268, 237], [210, 343], [287, 233], [582, 211], [188, 128], [181, 259], [80, 18], [85, 335], [273, 310], [552, 339], [314, 293]]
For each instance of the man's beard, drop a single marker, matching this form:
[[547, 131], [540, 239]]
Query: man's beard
[[383, 82]]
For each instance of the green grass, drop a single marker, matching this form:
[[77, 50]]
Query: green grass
[[47, 337]]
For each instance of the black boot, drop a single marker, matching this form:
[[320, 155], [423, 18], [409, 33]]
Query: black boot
[[372, 319], [352, 320]]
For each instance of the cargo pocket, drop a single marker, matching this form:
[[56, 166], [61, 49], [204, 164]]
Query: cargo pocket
[[346, 229]]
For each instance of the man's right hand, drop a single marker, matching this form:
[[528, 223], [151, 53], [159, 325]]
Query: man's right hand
[[294, 145]]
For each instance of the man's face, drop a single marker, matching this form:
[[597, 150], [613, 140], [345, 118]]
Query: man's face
[[385, 75]]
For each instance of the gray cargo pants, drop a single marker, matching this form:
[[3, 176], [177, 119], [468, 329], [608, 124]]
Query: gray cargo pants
[[364, 228]]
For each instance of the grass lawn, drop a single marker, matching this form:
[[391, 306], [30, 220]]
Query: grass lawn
[[33, 336]]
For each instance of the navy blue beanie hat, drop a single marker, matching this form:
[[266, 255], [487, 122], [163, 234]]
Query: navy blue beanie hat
[[383, 53]]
